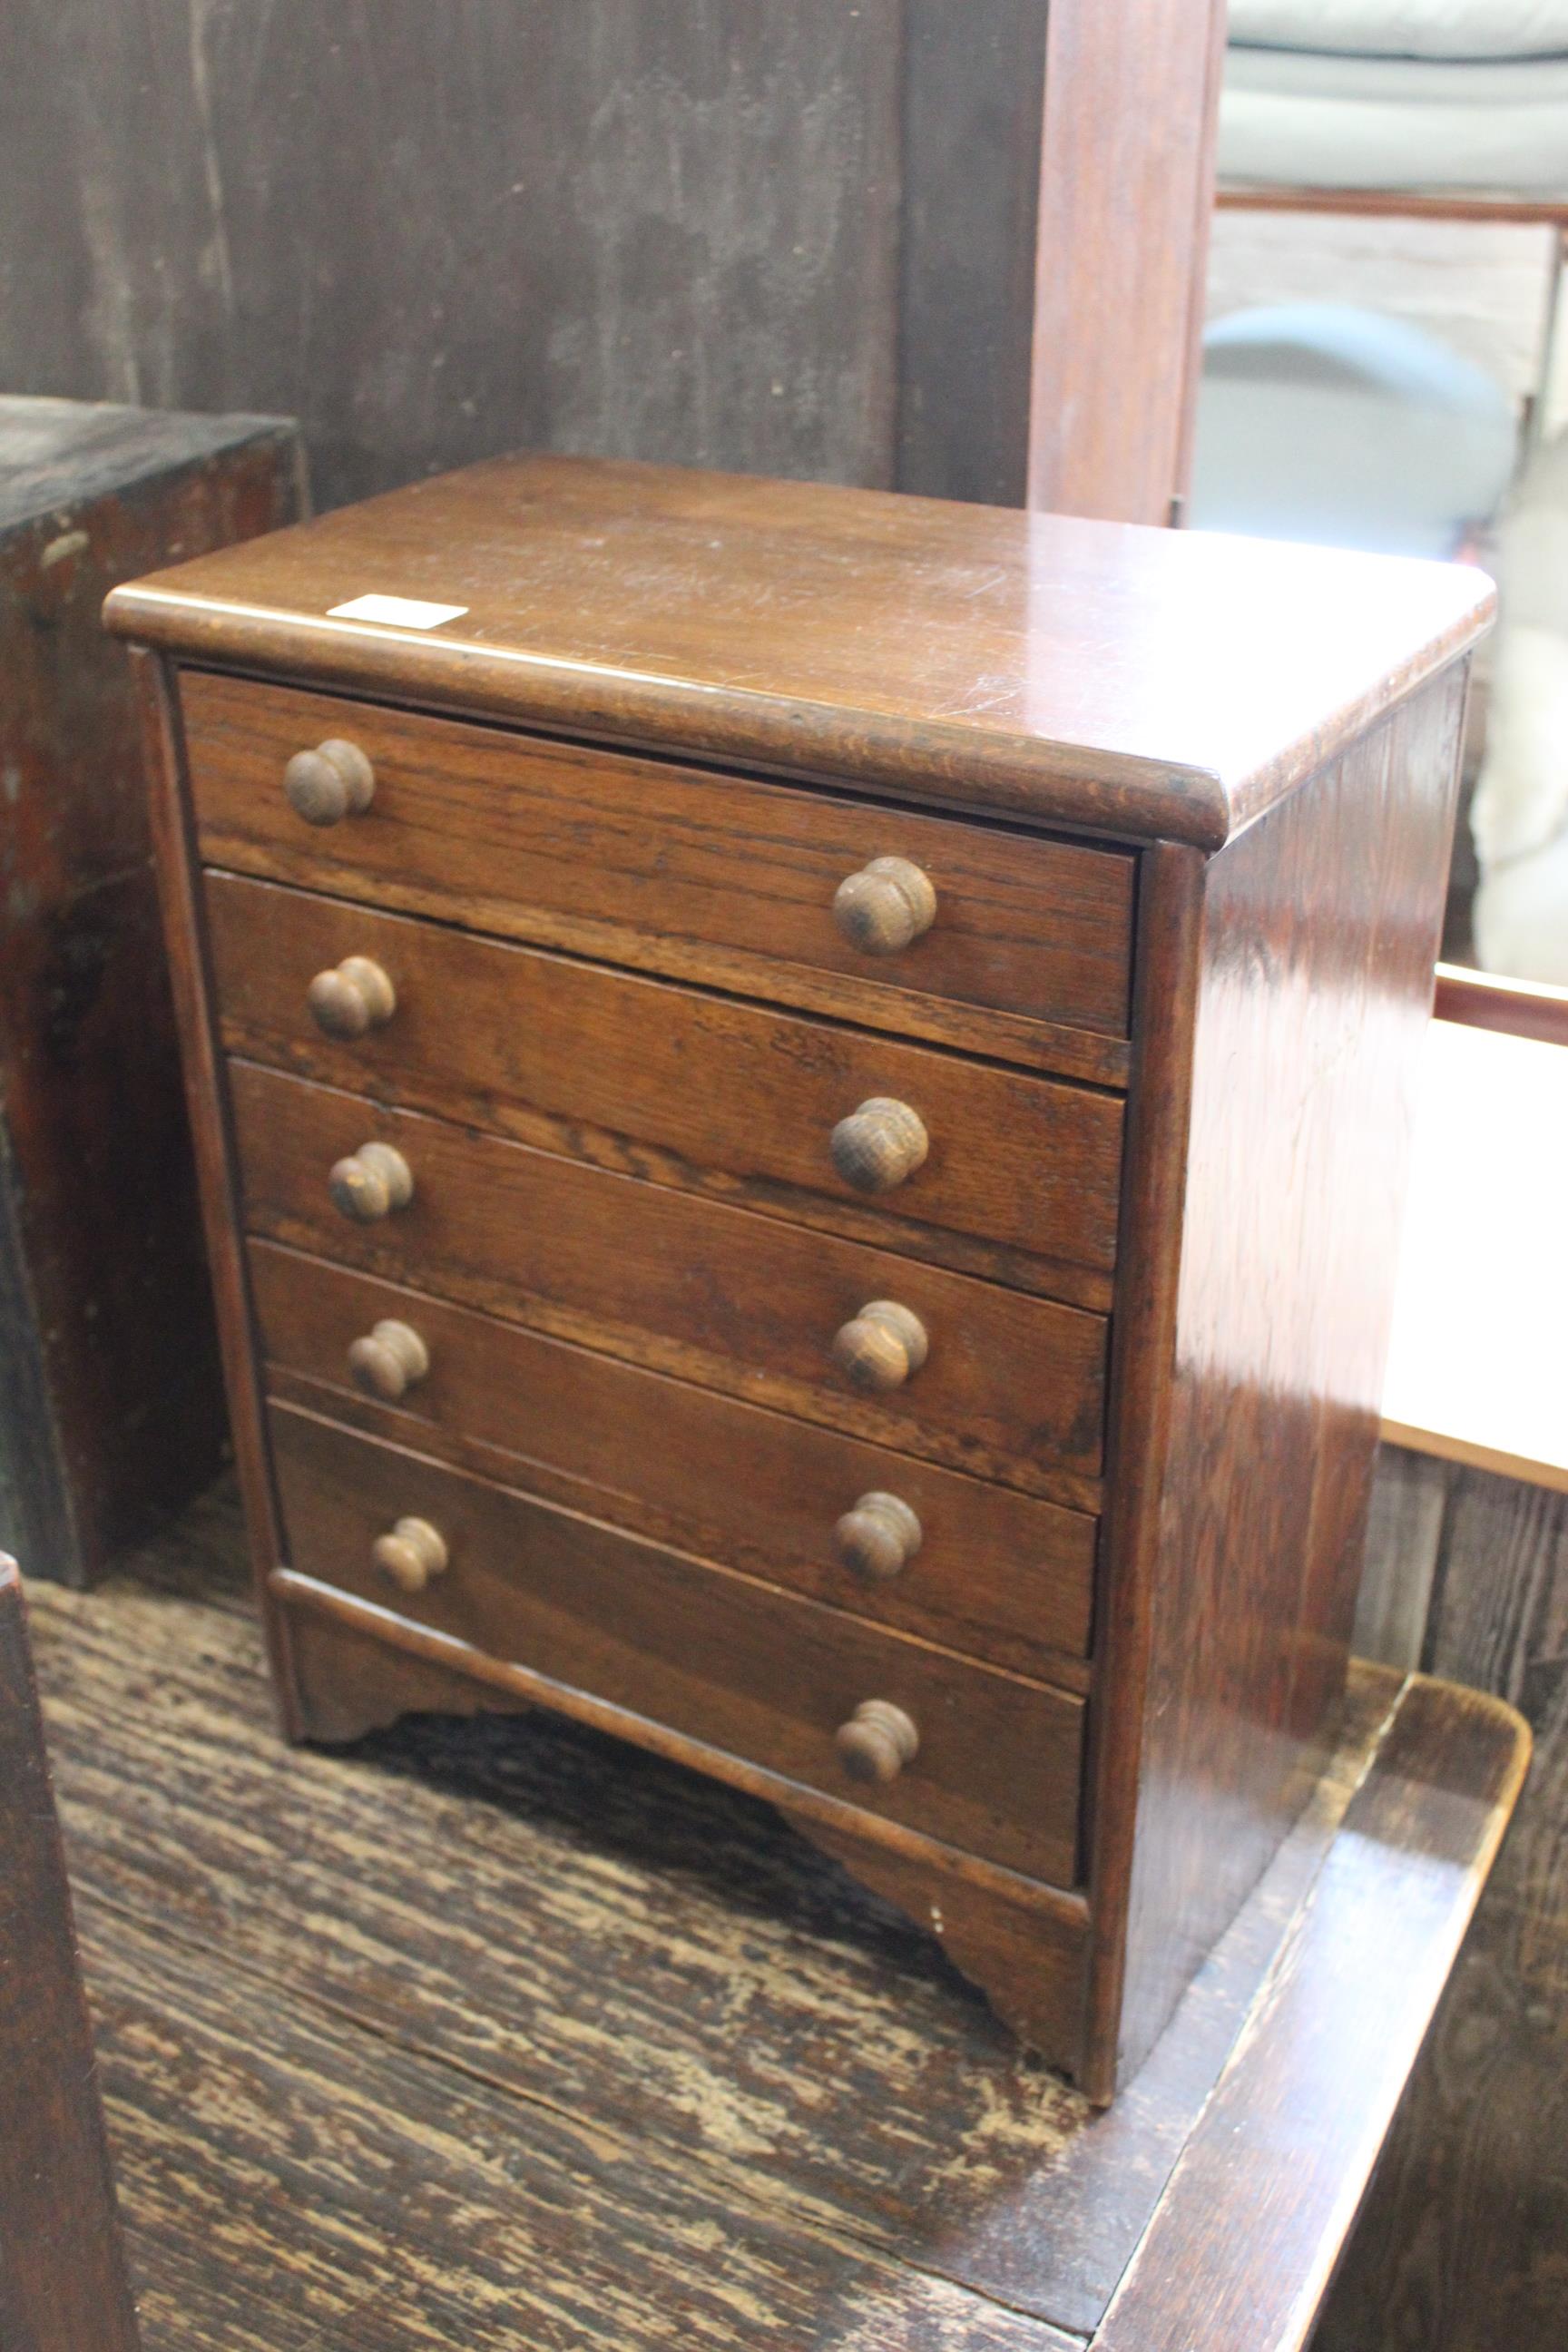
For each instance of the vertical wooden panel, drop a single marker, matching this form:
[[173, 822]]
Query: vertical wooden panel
[[62, 2273], [1404, 1530], [436, 233], [973, 80], [1126, 192], [1304, 1059]]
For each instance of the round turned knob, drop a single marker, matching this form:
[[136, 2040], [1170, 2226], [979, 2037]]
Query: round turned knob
[[331, 782], [878, 1741], [371, 1183], [880, 1145], [411, 1554], [885, 907], [879, 1537], [389, 1360], [882, 1345], [355, 996]]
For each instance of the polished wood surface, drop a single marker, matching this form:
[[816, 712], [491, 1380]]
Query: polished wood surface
[[1488, 1000], [1148, 683], [998, 1575], [668, 1084], [735, 1302], [741, 1670], [1243, 1682], [63, 2286], [1475, 1370], [108, 1356], [673, 869], [503, 2071]]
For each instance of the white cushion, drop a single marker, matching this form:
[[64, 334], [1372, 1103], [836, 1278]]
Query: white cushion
[[1406, 28], [1294, 118]]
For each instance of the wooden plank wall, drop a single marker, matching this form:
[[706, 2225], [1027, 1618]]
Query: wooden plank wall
[[1461, 2247], [789, 240]]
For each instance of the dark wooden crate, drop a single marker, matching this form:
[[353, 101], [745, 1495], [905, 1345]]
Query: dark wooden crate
[[110, 1401]]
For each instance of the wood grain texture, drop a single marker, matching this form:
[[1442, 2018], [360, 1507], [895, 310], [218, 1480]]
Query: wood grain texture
[[418, 2208], [63, 2286], [676, 870], [535, 1915], [108, 1361], [1143, 1337], [732, 1301], [1297, 1150], [667, 1083], [997, 1575], [1143, 683], [1461, 2241], [741, 1670], [1516, 1008], [1279, 2164], [1131, 102], [1405, 1529]]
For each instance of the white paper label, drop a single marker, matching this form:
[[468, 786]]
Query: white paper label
[[401, 611]]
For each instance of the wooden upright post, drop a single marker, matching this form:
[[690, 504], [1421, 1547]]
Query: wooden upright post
[[1127, 176]]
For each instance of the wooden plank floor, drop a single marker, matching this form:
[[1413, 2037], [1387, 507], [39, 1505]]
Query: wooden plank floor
[[494, 2033]]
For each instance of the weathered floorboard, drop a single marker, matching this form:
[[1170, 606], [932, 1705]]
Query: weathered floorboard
[[284, 2192], [596, 1934]]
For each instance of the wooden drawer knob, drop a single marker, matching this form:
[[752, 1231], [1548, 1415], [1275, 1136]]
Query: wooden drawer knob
[[389, 1360], [331, 782], [355, 996], [878, 1741], [880, 1144], [879, 1537], [411, 1554], [371, 1183], [883, 1345], [885, 907]]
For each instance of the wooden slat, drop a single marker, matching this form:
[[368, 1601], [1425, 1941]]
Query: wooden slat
[[1486, 1000], [1255, 2220], [286, 2193]]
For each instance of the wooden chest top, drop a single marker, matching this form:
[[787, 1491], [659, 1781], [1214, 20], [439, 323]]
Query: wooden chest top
[[1150, 684]]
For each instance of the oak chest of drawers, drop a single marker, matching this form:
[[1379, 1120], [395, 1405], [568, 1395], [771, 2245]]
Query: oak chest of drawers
[[802, 1100]]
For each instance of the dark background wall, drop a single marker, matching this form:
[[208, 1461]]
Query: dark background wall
[[786, 236]]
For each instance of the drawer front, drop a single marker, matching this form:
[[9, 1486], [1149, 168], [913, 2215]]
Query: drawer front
[[1012, 1386], [677, 871], [993, 1573], [604, 1064], [747, 1671]]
